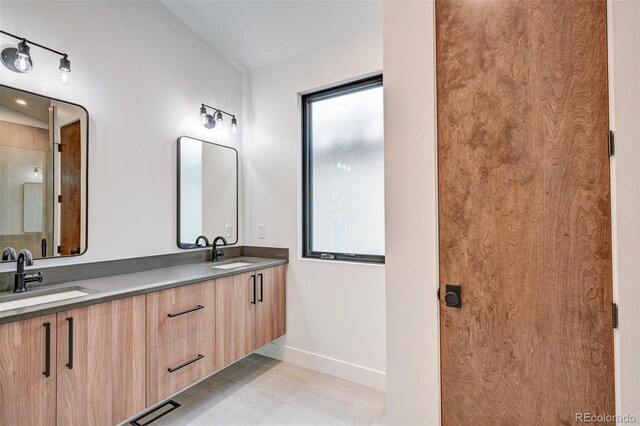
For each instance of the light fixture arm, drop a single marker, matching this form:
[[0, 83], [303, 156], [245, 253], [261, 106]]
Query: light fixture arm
[[34, 44], [217, 110]]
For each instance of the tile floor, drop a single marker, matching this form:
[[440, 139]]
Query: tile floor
[[263, 391]]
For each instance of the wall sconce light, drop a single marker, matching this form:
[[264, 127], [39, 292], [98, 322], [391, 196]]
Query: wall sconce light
[[19, 59], [211, 121]]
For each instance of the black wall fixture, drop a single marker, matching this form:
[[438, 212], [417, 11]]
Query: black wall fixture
[[211, 121], [18, 59]]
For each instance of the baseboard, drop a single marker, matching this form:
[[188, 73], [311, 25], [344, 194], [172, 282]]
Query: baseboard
[[323, 364]]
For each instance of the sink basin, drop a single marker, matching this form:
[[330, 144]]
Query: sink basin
[[232, 265], [40, 297]]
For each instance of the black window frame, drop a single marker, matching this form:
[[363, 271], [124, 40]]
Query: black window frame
[[307, 170]]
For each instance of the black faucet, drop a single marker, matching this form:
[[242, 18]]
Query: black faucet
[[21, 278], [9, 254], [202, 237], [216, 252]]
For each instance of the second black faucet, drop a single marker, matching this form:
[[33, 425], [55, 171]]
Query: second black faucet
[[216, 253]]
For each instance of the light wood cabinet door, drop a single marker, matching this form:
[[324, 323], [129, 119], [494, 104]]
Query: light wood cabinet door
[[179, 311], [270, 307], [27, 374], [101, 363], [179, 364], [236, 300]]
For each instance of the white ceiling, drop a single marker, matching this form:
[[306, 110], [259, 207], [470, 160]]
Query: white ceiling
[[251, 34], [35, 106]]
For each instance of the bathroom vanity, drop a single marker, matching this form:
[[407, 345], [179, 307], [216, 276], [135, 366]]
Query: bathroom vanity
[[134, 340]]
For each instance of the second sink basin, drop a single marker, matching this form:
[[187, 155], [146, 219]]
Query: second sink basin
[[39, 297], [232, 265]]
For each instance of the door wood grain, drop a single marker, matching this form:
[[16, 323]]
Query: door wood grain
[[524, 211], [101, 376], [235, 318], [70, 188], [270, 309], [27, 396], [180, 311], [196, 349]]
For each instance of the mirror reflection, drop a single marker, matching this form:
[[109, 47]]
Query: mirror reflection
[[43, 165], [207, 193]]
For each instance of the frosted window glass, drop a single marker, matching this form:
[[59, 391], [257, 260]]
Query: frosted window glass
[[347, 167]]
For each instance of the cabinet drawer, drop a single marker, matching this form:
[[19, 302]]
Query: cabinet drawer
[[178, 364], [178, 312]]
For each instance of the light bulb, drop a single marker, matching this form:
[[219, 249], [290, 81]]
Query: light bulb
[[65, 69], [234, 125], [35, 171], [64, 76], [219, 120], [22, 63]]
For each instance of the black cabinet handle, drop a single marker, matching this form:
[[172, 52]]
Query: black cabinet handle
[[253, 278], [47, 349], [70, 363], [261, 287], [184, 364], [196, 308]]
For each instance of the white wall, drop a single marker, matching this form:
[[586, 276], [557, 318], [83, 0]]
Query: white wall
[[411, 214], [142, 76], [335, 311], [624, 34]]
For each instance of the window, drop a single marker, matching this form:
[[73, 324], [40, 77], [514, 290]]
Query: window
[[343, 172]]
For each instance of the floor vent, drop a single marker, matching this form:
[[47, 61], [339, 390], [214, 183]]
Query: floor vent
[[155, 413]]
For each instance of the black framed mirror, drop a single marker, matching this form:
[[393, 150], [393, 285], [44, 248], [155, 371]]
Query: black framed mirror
[[44, 160], [207, 193]]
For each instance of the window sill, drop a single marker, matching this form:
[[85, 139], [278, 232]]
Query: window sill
[[340, 261]]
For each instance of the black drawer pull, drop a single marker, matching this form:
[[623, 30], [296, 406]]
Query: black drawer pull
[[184, 364], [70, 363], [253, 278], [261, 288], [47, 349], [197, 308]]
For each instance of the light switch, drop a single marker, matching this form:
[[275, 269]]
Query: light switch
[[262, 231], [228, 229]]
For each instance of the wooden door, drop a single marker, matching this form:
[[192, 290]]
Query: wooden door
[[101, 369], [270, 309], [27, 374], [236, 300], [524, 211], [70, 188]]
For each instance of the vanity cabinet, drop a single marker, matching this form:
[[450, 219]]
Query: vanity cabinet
[[105, 363], [270, 306], [84, 366], [250, 312], [180, 338], [236, 298], [179, 364], [179, 311], [101, 363], [28, 372]]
